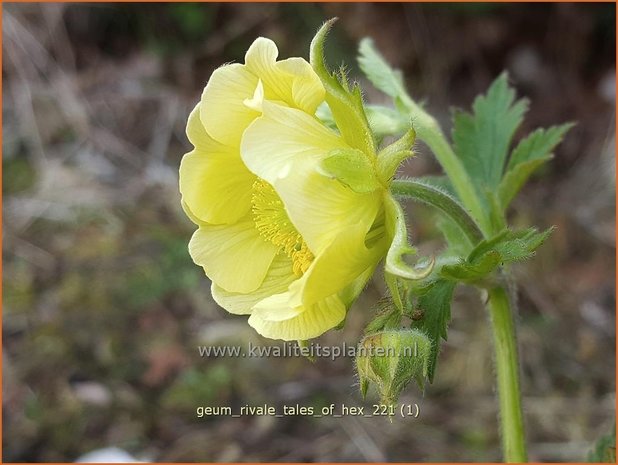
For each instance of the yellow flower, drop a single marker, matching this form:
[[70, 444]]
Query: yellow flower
[[291, 218]]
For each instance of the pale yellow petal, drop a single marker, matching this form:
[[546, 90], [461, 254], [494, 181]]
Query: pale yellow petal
[[255, 102], [312, 322], [196, 133], [351, 293], [277, 308], [307, 88], [285, 147], [235, 257], [190, 214], [321, 207], [292, 81], [283, 136], [216, 187], [342, 262], [214, 182], [277, 281], [223, 112], [261, 57]]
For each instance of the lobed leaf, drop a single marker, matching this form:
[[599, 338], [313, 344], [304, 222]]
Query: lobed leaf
[[435, 304], [482, 138], [385, 121], [515, 178], [457, 242], [539, 144], [511, 245], [473, 272], [378, 71], [488, 255], [532, 152]]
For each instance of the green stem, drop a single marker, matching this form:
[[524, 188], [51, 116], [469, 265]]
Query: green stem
[[428, 130], [435, 197], [507, 363], [507, 372]]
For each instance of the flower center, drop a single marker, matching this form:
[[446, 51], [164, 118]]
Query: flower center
[[273, 223]]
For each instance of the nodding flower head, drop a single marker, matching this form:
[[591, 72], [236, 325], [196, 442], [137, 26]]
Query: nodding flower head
[[291, 215]]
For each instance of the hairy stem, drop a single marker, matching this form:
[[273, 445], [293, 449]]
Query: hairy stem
[[441, 200], [503, 327], [507, 372], [428, 130], [499, 305]]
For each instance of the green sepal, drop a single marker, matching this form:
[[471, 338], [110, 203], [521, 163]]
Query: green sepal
[[396, 229], [346, 104], [392, 282], [353, 168], [304, 344], [405, 356], [383, 121], [387, 316], [391, 156], [362, 368]]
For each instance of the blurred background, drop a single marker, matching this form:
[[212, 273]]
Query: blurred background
[[103, 308]]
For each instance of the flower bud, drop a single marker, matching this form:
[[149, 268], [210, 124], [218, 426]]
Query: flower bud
[[391, 359]]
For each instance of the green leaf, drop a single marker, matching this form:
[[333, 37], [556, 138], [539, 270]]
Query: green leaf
[[390, 81], [482, 138], [532, 152], [385, 121], [472, 272], [515, 178], [346, 104], [496, 216], [511, 245], [378, 71], [539, 144], [458, 243], [487, 256], [434, 302]]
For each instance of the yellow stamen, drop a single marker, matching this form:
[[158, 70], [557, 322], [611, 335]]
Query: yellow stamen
[[273, 223]]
